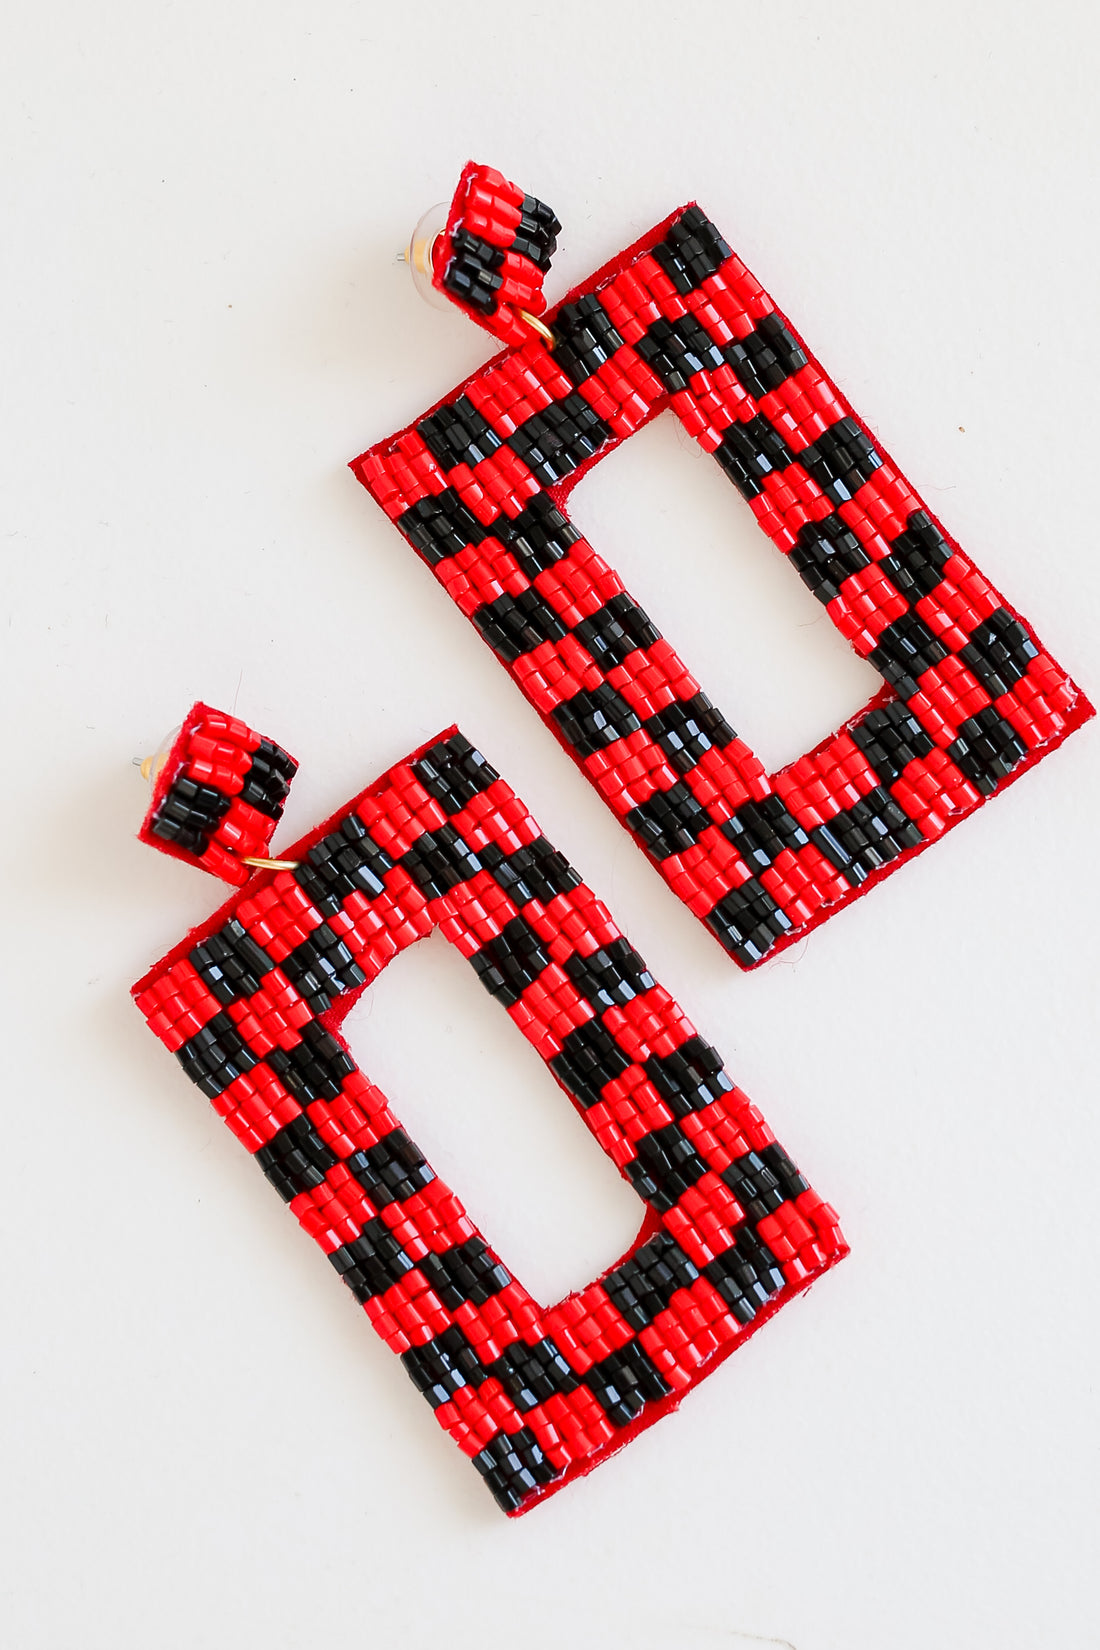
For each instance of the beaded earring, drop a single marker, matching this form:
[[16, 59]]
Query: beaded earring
[[251, 1003], [479, 487]]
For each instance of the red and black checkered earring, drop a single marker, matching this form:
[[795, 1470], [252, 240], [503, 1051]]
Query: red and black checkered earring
[[479, 487], [251, 1003]]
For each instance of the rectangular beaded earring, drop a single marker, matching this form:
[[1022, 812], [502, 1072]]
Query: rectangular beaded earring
[[479, 487], [251, 1004]]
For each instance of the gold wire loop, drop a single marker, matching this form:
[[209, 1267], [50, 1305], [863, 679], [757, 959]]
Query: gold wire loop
[[538, 326], [151, 767]]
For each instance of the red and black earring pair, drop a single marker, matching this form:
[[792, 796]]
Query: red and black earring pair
[[251, 1002]]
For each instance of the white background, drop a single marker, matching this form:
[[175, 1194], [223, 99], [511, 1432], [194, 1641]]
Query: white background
[[206, 1445]]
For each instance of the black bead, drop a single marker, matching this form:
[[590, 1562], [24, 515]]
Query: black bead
[[691, 251], [537, 871], [347, 861], [373, 1262], [458, 434], [687, 729], [754, 1185], [589, 1059], [467, 1272], [677, 350], [515, 625], [766, 357], [472, 273], [532, 1373], [509, 963], [999, 652], [665, 1167], [442, 1366], [890, 737], [553, 442], [748, 452], [841, 460], [321, 968], [761, 831], [216, 1056], [669, 822], [918, 556], [189, 814], [825, 553], [537, 232], [609, 976], [391, 1170], [624, 1382], [230, 963], [987, 749], [616, 630], [905, 650], [439, 860], [453, 772], [869, 834], [586, 338], [440, 525], [689, 1078], [266, 785], [745, 1275], [747, 921], [296, 1159], [643, 1285], [594, 718], [314, 1068], [538, 537]]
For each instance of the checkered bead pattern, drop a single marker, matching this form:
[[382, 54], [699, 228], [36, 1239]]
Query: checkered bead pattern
[[249, 1005], [495, 251], [970, 697], [219, 795]]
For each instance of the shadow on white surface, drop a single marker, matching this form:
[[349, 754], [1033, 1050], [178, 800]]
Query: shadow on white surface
[[492, 1121], [689, 549]]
